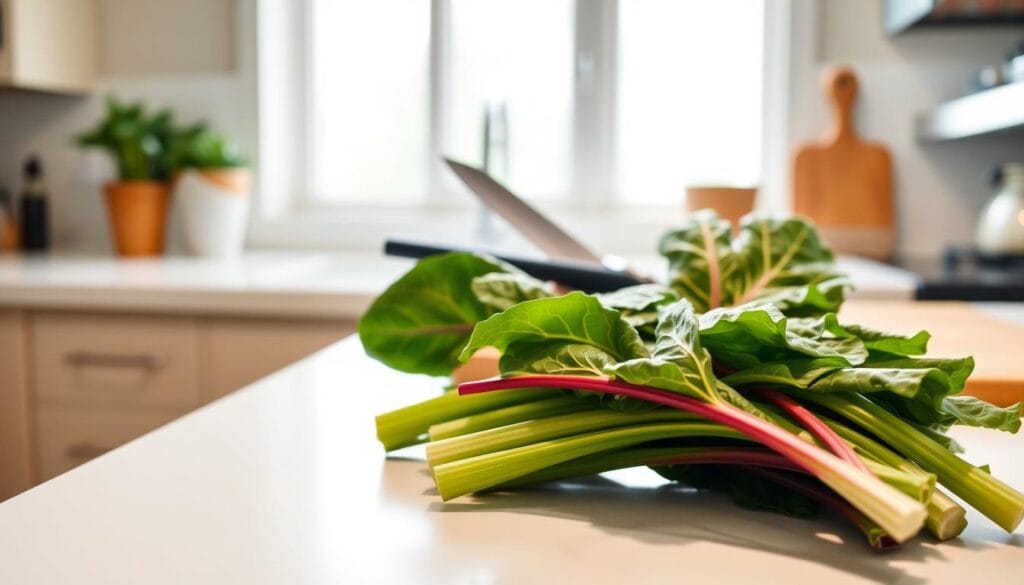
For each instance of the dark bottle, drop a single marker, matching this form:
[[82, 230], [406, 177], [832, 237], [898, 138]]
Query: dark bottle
[[35, 220]]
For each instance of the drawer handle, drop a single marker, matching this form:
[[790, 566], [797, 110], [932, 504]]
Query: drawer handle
[[113, 360], [85, 451]]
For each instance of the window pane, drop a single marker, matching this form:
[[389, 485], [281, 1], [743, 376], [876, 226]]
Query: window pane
[[369, 122], [518, 53], [689, 102]]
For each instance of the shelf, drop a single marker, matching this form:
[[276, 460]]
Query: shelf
[[900, 16], [986, 112]]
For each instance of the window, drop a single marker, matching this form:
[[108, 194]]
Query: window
[[586, 104]]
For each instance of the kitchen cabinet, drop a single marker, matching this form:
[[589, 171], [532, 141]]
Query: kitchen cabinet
[[240, 351], [48, 45], [79, 383], [16, 471]]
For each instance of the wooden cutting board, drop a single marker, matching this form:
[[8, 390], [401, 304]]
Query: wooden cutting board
[[958, 330], [844, 183]]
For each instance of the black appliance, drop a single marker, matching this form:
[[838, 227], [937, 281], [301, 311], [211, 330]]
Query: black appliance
[[966, 274]]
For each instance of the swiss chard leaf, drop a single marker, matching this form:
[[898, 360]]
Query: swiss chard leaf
[[799, 373], [970, 411], [679, 362], [422, 321], [890, 344], [555, 357], [571, 335], [696, 254], [781, 261], [958, 369], [773, 255], [501, 290], [572, 319], [926, 385], [639, 305], [763, 333]]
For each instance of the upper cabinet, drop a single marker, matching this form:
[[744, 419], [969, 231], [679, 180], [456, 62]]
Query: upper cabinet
[[901, 15], [48, 45]]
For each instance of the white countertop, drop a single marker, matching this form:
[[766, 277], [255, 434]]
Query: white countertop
[[292, 284], [283, 482]]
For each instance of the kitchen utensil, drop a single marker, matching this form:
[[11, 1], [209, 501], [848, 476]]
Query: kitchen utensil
[[1001, 224], [532, 224], [843, 183], [585, 276], [539, 230]]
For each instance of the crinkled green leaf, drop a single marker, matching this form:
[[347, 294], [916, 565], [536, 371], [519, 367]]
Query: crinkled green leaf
[[572, 319], [639, 305], [929, 385], [696, 255], [640, 298], [679, 362], [880, 342], [781, 261], [974, 412], [825, 296], [501, 290], [958, 369], [772, 256], [555, 357], [764, 333], [794, 374], [422, 321]]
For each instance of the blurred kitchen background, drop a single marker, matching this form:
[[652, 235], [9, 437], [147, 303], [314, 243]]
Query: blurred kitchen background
[[599, 109], [325, 124]]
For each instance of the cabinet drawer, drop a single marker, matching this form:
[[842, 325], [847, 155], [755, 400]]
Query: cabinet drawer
[[117, 360], [68, 437]]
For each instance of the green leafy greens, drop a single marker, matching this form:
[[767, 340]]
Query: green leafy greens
[[745, 339]]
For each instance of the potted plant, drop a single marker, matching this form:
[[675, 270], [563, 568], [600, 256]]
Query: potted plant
[[137, 202], [212, 190]]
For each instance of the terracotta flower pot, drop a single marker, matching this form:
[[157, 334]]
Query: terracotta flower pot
[[138, 216]]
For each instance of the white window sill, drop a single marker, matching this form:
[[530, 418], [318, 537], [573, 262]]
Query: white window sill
[[616, 229]]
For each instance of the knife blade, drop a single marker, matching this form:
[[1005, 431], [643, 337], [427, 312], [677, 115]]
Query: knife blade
[[541, 231]]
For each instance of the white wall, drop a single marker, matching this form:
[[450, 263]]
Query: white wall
[[182, 54], [939, 187]]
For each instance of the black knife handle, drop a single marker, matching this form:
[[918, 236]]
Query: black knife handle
[[589, 278]]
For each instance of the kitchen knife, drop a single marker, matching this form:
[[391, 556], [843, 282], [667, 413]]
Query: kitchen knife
[[536, 228], [584, 276]]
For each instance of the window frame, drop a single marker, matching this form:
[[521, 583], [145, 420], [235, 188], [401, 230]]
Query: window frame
[[286, 215]]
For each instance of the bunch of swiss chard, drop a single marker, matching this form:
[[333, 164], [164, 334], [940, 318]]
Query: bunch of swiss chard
[[737, 377]]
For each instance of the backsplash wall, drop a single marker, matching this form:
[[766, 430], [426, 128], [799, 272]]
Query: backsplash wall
[[939, 188], [182, 55]]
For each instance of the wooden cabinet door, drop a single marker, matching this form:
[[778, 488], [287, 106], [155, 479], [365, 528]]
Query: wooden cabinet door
[[16, 472], [238, 352]]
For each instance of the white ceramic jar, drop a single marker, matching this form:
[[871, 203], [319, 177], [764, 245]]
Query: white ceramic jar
[[214, 206]]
